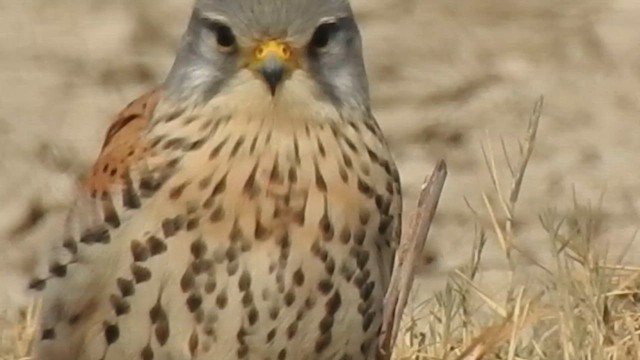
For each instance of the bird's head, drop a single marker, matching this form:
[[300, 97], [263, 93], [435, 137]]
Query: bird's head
[[276, 47]]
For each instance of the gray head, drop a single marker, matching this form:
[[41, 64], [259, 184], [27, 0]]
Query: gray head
[[271, 40]]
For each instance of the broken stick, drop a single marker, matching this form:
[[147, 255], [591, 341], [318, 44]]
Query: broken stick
[[410, 247]]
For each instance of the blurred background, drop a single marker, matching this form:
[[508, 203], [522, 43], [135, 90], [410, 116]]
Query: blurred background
[[446, 78]]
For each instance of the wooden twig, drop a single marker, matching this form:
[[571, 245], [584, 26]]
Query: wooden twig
[[411, 246]]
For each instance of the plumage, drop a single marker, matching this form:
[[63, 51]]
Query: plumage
[[225, 219]]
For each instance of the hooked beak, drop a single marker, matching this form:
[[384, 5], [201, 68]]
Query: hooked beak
[[273, 59]]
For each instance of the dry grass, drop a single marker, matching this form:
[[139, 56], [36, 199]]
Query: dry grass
[[578, 307], [16, 338]]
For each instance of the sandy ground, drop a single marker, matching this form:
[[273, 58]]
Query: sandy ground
[[445, 76]]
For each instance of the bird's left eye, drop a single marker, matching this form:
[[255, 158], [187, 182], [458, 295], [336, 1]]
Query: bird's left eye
[[322, 35]]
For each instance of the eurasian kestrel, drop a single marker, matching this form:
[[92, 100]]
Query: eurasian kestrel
[[248, 208]]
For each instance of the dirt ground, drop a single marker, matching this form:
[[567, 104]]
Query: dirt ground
[[445, 77]]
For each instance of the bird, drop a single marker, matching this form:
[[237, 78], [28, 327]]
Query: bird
[[248, 207]]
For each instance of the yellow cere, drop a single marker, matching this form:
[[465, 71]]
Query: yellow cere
[[273, 47]]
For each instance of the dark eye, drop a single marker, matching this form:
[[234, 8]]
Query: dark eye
[[323, 34], [224, 34]]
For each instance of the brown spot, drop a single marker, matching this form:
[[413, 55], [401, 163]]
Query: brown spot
[[58, 270], [188, 280], [202, 265], [365, 291], [298, 277], [292, 175], [383, 204], [110, 213], [323, 342], [210, 285], [326, 227], [247, 298], [193, 343], [170, 226], [130, 198], [205, 182], [275, 176], [198, 316], [254, 142], [48, 334], [389, 187], [367, 320], [217, 214], [149, 185], [271, 335], [330, 266], [333, 303], [71, 245], [198, 249], [176, 192], [326, 324], [347, 271], [282, 354], [232, 267], [250, 188], [96, 236], [216, 150], [365, 188], [222, 299], [350, 144], [292, 330], [140, 273], [119, 305], [362, 258], [252, 316], [321, 149], [289, 298], [244, 283], [243, 351], [125, 286], [174, 143], [320, 182], [359, 280], [194, 301], [261, 232], [325, 286], [347, 160], [237, 146], [299, 215], [195, 145], [193, 223], [111, 333], [344, 175], [359, 236], [345, 235], [274, 311], [365, 216], [139, 251], [147, 353], [162, 330], [231, 254]]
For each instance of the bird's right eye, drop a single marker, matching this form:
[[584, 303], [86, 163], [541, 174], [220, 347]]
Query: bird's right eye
[[224, 35]]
